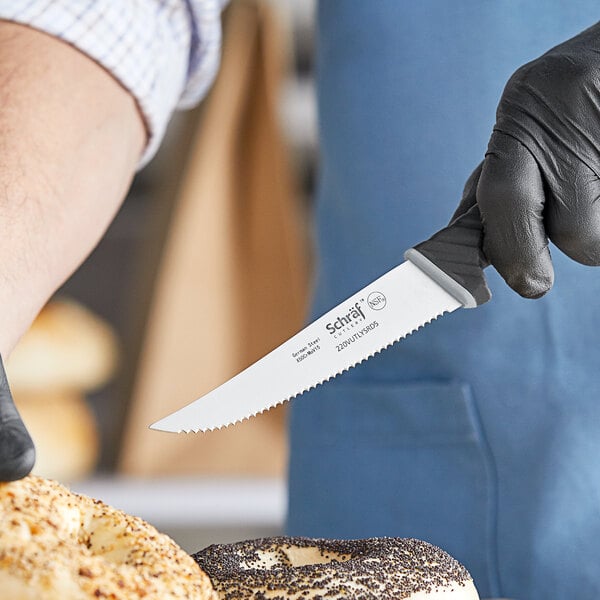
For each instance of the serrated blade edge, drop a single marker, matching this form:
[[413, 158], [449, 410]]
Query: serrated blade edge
[[381, 314]]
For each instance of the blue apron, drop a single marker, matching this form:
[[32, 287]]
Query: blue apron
[[480, 433]]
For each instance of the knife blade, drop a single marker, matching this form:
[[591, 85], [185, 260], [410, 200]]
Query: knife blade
[[439, 276]]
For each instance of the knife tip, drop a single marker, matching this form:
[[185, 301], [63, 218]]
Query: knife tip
[[160, 426]]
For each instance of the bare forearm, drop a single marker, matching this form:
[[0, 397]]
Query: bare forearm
[[70, 138]]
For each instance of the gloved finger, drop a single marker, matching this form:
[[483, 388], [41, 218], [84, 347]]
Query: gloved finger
[[17, 451], [511, 199], [573, 215], [469, 195]]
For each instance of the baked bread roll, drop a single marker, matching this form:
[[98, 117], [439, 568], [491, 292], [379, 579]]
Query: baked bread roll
[[66, 347], [303, 568], [66, 352], [57, 545], [64, 430]]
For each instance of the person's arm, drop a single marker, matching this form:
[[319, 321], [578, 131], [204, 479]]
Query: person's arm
[[70, 140], [71, 136]]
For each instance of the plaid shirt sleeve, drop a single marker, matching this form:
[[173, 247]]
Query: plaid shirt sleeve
[[165, 52]]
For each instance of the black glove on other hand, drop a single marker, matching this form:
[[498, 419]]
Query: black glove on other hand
[[17, 452], [540, 178]]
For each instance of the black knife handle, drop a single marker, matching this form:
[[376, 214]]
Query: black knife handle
[[453, 258]]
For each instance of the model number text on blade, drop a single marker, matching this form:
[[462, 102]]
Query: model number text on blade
[[307, 350], [356, 336]]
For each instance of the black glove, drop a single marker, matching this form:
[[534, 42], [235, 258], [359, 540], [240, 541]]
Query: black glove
[[17, 452], [540, 178]]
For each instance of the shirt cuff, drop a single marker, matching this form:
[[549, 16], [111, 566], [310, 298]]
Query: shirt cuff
[[164, 52]]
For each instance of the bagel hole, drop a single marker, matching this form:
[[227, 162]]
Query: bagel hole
[[301, 557], [294, 556]]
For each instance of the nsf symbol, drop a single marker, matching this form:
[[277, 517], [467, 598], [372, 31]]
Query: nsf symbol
[[376, 300]]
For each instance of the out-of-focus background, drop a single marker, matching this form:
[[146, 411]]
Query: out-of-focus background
[[207, 266]]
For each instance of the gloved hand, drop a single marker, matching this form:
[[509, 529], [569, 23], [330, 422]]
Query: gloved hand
[[17, 452], [540, 178]]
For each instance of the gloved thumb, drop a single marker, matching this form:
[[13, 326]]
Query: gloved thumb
[[469, 195], [511, 199], [17, 451]]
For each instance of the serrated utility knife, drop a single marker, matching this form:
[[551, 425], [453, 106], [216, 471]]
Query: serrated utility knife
[[440, 275]]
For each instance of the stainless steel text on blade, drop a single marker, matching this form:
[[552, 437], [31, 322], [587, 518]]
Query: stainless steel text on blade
[[380, 314]]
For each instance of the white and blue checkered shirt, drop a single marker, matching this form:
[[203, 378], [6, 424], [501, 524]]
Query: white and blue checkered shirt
[[165, 52]]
